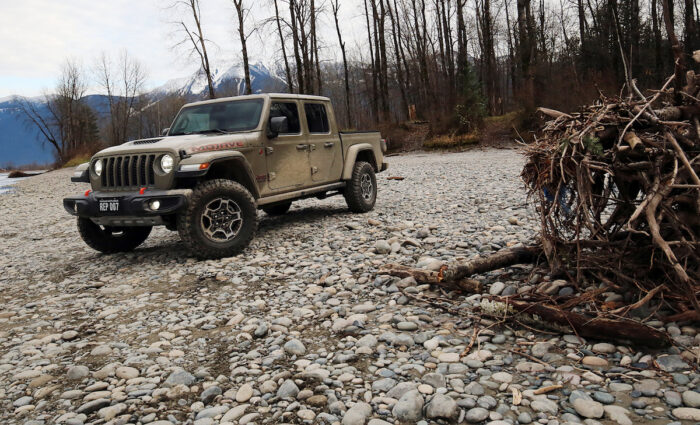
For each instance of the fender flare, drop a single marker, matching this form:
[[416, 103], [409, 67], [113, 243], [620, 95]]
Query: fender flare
[[351, 158], [215, 158]]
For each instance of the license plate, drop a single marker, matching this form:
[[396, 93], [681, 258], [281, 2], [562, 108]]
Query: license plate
[[109, 206]]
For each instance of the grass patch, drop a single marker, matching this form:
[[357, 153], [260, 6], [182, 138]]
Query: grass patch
[[77, 160], [448, 141], [508, 119]]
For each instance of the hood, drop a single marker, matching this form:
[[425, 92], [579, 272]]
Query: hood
[[191, 143]]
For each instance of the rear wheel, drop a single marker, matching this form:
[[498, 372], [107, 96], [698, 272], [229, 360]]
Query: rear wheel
[[277, 209], [220, 219], [108, 239], [361, 190]]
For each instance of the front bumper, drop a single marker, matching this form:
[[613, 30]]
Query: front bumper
[[131, 205]]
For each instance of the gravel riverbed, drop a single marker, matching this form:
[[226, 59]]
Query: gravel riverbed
[[301, 328]]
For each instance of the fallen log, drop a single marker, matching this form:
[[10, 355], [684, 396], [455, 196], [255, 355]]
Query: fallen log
[[501, 259], [563, 321], [428, 276]]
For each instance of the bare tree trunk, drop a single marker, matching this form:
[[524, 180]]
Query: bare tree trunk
[[634, 37], [656, 29], [676, 48], [295, 41], [290, 85], [384, 87], [335, 6], [461, 46], [240, 10], [396, 34], [200, 44], [314, 48], [525, 53], [374, 100], [690, 28]]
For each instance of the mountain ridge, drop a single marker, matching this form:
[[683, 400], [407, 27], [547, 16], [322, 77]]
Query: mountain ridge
[[21, 143]]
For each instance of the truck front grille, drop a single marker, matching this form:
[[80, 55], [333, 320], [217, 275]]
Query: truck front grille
[[128, 171]]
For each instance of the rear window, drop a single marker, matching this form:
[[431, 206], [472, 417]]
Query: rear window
[[289, 110], [316, 118]]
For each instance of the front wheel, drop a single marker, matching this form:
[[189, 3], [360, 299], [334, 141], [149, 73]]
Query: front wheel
[[220, 219], [109, 240], [361, 190]]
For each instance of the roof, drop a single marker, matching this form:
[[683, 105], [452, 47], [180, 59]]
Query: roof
[[262, 96]]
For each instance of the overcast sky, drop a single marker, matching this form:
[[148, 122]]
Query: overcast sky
[[38, 35]]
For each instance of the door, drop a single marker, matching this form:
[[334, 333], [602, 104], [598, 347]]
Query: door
[[325, 152], [287, 155]]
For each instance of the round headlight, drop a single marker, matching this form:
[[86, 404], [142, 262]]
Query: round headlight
[[166, 163], [98, 167]]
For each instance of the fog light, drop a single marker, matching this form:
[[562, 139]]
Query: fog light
[[75, 207], [155, 205]]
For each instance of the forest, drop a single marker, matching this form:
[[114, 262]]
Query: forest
[[446, 63]]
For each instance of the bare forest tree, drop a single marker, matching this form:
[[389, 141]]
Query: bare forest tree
[[194, 36], [122, 82], [63, 119], [242, 13], [335, 6]]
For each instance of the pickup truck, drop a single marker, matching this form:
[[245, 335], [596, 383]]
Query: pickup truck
[[219, 162]]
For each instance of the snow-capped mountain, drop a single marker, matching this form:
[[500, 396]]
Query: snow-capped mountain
[[20, 144], [229, 80]]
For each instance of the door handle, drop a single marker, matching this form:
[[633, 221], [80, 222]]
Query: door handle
[[329, 144], [302, 147]]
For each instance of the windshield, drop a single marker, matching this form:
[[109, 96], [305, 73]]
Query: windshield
[[220, 117]]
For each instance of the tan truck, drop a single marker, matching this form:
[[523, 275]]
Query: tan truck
[[218, 163]]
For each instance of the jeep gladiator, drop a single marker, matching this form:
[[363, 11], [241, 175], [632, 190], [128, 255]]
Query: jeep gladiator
[[219, 162]]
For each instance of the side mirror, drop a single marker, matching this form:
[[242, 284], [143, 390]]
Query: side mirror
[[165, 131], [277, 125]]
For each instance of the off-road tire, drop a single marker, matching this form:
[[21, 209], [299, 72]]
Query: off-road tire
[[189, 221], [103, 240], [358, 201], [277, 209]]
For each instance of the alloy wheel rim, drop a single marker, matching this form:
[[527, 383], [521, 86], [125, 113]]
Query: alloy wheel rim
[[221, 220], [366, 187]]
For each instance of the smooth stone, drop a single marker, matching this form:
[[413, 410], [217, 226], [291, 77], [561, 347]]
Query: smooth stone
[[603, 348], [603, 397], [588, 408], [244, 393], [476, 415], [295, 347], [691, 398], [441, 407], [686, 413], [77, 372], [617, 414], [672, 363], [409, 408], [357, 414], [126, 372], [288, 389], [180, 377]]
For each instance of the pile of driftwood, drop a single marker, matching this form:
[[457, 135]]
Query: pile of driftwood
[[617, 191]]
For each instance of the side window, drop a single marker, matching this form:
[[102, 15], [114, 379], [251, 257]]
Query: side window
[[316, 118], [289, 110]]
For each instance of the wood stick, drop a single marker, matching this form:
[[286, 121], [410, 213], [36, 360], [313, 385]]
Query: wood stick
[[503, 258], [684, 158], [656, 96], [585, 326], [427, 276]]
